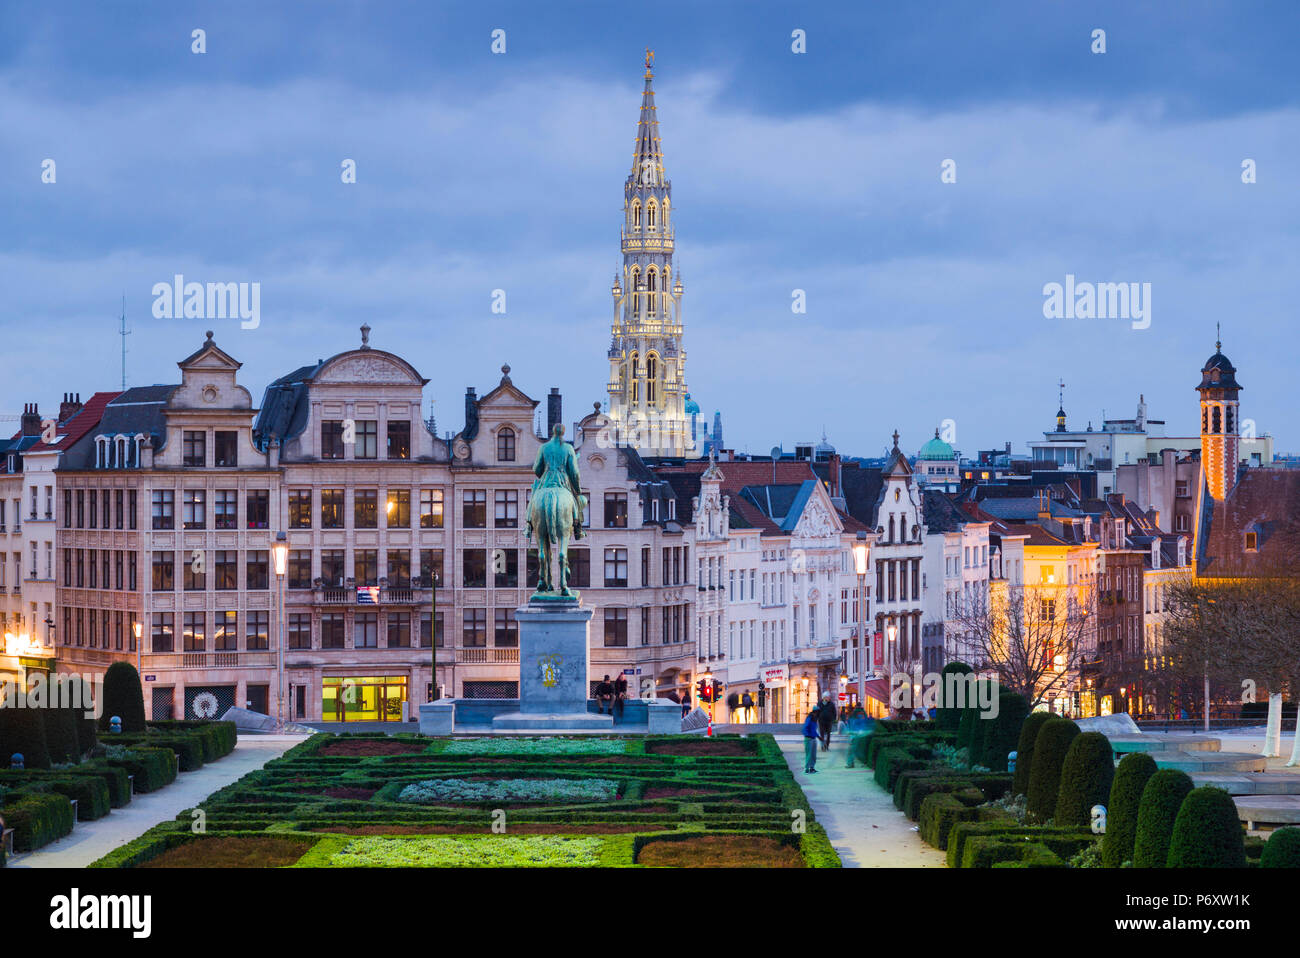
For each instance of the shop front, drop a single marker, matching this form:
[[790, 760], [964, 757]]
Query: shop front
[[363, 698]]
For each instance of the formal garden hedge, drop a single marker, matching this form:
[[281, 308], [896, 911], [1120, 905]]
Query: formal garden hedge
[[984, 819], [373, 800], [63, 760]]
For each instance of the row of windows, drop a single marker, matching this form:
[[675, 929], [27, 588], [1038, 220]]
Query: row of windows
[[99, 569], [233, 631], [753, 639], [98, 629], [892, 580], [97, 508], [225, 509], [363, 436], [365, 508], [194, 448]]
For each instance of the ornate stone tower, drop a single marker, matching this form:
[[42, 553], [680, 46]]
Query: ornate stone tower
[[647, 364], [1220, 432]]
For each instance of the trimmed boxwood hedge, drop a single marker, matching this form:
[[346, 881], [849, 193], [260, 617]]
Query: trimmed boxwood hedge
[[91, 793], [1050, 749], [22, 730], [1086, 778], [223, 734], [1135, 770], [86, 737], [891, 761], [153, 768], [912, 787], [37, 818], [943, 810], [1207, 832], [1282, 850], [1002, 733], [1064, 842], [1025, 749], [1157, 810], [188, 747], [60, 725], [123, 697], [946, 716]]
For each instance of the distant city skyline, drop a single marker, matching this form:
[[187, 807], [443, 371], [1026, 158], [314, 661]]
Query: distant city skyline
[[818, 171]]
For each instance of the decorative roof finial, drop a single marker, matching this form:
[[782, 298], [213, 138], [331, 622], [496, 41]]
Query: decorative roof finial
[[365, 335], [649, 60], [209, 342], [1218, 338], [505, 374], [895, 449]]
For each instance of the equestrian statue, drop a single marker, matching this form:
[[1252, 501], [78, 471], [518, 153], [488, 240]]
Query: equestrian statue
[[555, 512]]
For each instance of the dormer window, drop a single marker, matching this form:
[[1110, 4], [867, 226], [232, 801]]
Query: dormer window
[[506, 445]]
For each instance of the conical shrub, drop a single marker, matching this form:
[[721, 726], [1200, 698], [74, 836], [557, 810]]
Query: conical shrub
[[1086, 777], [1282, 850], [1053, 742], [1025, 750], [1161, 799], [60, 724], [947, 716], [1002, 733], [1135, 769], [1207, 832], [22, 730], [123, 697]]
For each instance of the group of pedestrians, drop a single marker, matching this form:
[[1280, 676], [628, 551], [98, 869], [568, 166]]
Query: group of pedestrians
[[611, 695], [819, 724]]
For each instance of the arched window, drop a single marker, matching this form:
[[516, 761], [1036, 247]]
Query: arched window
[[506, 445], [636, 216], [651, 213], [665, 217], [1232, 424], [635, 291], [1217, 420], [651, 376], [636, 378], [652, 289]]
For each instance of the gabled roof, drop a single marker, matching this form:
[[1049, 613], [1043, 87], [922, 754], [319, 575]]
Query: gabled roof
[[1267, 500], [138, 410], [941, 513], [76, 426]]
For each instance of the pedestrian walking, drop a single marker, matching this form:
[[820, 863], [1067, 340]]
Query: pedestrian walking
[[857, 728], [826, 720], [811, 734]]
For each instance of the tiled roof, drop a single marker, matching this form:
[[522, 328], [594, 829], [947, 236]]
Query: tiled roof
[[86, 419], [1263, 501]]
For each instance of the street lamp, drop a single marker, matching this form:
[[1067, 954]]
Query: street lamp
[[280, 552], [137, 627], [864, 646], [891, 631], [804, 683]]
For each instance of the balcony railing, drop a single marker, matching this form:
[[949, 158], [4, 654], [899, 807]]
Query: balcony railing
[[487, 656], [364, 596]]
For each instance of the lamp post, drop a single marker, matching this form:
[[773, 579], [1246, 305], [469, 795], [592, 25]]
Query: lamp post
[[864, 645], [804, 683], [137, 628], [891, 630], [280, 551]]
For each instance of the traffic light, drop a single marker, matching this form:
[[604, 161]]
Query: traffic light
[[717, 691], [702, 691]]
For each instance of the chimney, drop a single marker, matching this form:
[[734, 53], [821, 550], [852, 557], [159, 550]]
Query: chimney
[[70, 406], [471, 412], [553, 410], [31, 420], [1044, 509], [146, 453]]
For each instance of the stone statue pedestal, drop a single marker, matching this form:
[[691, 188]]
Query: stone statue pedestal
[[553, 690]]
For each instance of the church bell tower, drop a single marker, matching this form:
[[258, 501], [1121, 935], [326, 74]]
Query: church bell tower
[[647, 364], [1220, 428]]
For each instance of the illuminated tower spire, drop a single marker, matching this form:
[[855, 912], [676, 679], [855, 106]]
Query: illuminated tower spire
[[647, 364], [1220, 430]]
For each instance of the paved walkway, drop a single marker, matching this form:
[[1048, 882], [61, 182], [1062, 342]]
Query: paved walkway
[[90, 841], [858, 815]]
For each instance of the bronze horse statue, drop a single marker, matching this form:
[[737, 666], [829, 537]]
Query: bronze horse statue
[[555, 510]]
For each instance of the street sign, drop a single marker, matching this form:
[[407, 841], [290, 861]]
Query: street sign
[[150, 678]]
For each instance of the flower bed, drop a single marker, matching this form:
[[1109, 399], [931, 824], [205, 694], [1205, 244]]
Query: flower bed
[[438, 790], [556, 790], [721, 851], [487, 851], [535, 746]]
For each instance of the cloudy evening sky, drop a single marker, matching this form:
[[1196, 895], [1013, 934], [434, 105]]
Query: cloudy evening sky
[[818, 171]]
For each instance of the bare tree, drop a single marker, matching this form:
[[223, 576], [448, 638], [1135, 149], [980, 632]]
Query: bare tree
[[1036, 638]]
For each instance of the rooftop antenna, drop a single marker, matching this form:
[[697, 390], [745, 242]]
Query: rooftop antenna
[[123, 332]]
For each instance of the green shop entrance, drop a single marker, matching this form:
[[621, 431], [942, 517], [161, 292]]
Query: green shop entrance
[[362, 698]]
